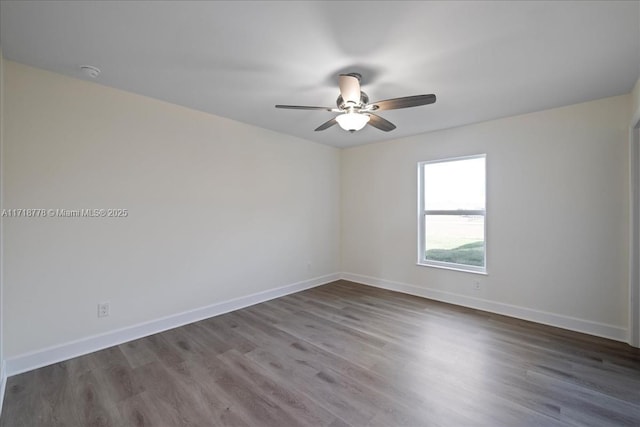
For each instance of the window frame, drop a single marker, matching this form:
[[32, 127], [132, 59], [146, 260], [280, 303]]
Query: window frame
[[422, 214]]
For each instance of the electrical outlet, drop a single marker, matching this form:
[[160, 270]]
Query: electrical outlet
[[103, 309], [477, 285]]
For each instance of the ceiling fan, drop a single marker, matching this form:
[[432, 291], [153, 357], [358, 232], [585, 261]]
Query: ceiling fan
[[355, 109]]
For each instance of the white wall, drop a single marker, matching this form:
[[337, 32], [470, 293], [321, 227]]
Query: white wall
[[2, 112], [557, 215], [634, 234], [635, 103], [217, 209]]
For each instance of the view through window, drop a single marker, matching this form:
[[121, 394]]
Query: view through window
[[452, 213]]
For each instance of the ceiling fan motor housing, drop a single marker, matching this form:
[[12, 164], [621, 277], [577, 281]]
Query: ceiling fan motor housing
[[364, 99]]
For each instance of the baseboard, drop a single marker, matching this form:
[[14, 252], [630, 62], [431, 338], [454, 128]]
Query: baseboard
[[565, 322], [37, 359]]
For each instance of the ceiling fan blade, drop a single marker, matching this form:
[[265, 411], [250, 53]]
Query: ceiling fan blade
[[380, 123], [404, 102], [349, 88], [303, 107], [326, 125]]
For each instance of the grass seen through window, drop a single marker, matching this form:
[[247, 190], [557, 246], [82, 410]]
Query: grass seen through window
[[457, 239]]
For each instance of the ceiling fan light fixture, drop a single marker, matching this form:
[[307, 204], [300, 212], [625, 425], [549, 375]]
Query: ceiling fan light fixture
[[352, 121]]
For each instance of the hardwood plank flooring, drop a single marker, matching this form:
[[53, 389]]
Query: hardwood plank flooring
[[340, 355]]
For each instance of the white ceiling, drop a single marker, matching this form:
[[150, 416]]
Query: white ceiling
[[483, 60]]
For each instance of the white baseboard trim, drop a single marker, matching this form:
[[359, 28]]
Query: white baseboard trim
[[47, 356], [565, 322]]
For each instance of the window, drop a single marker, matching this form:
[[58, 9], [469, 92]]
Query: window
[[451, 213]]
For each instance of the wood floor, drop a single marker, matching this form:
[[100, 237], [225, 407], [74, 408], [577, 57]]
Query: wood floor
[[342, 354]]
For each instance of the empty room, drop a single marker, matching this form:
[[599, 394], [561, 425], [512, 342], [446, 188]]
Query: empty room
[[319, 213]]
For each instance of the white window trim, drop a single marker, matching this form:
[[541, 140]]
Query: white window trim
[[422, 212]]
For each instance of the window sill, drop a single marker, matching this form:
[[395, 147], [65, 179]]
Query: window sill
[[454, 268]]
